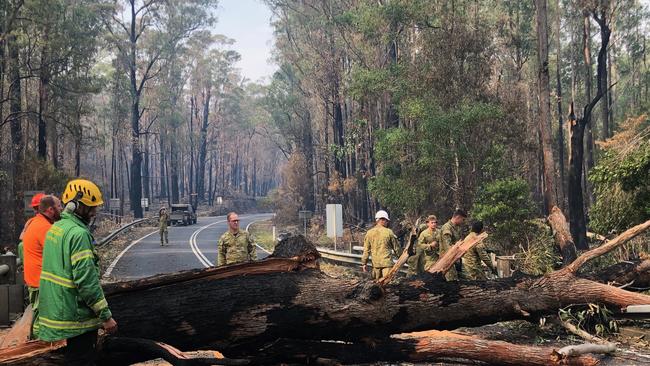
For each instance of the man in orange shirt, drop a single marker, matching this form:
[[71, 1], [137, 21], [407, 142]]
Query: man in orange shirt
[[49, 211], [36, 202]]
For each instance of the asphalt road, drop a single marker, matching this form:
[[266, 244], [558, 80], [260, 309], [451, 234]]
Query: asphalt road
[[190, 247]]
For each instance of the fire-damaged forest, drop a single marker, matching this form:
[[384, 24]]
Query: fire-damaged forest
[[531, 116]]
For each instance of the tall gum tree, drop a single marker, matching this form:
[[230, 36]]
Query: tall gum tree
[[145, 33], [550, 196], [578, 126]]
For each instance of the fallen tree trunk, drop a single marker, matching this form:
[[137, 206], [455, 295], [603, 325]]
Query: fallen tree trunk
[[435, 346], [253, 304], [309, 304]]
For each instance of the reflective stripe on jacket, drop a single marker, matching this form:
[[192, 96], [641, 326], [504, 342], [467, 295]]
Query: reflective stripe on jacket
[[71, 298]]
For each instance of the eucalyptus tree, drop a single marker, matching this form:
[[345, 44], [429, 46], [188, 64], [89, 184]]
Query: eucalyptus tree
[[144, 33]]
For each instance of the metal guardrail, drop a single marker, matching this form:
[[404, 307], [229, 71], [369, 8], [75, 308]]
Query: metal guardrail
[[342, 257], [348, 258], [117, 232]]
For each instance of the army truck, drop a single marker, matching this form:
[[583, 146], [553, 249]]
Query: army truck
[[182, 213]]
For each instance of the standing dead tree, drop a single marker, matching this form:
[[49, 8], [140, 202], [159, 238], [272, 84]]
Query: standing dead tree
[[578, 125]]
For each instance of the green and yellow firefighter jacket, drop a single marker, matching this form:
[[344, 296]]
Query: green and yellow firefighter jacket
[[71, 298]]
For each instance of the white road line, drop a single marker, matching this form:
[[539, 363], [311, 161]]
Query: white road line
[[197, 251], [257, 245], [195, 248], [193, 245], [111, 267]]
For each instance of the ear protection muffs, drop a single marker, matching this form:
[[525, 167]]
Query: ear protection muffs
[[74, 203]]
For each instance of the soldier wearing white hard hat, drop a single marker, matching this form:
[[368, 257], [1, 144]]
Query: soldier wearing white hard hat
[[379, 242]]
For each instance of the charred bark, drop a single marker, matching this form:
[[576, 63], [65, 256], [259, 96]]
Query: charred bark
[[17, 143], [236, 305], [200, 175], [550, 195], [252, 304]]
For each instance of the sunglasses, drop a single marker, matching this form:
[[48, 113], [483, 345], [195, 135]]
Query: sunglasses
[[234, 220]]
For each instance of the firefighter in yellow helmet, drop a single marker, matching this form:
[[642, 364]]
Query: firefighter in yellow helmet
[[72, 302]]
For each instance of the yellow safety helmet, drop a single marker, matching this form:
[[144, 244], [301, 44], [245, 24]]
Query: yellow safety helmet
[[85, 191]]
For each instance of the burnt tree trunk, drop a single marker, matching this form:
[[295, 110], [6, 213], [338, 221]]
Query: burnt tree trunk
[[200, 174], [17, 144], [576, 197], [258, 309], [560, 129], [550, 196], [632, 275], [576, 202], [43, 99], [443, 347], [275, 298], [589, 144], [173, 167], [245, 305], [603, 84]]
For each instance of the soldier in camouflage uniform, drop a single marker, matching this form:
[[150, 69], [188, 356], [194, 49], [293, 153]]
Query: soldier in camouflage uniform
[[164, 234], [472, 267], [450, 233], [426, 250], [378, 242], [235, 246]]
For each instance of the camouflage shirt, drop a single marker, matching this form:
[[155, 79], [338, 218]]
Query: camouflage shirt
[[378, 243], [164, 217], [449, 235], [235, 248], [428, 244], [424, 255], [472, 267]]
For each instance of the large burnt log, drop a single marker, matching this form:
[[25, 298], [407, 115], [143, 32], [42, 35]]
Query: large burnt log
[[252, 304], [256, 303], [309, 304]]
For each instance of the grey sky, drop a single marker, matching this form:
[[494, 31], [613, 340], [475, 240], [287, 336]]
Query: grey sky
[[247, 22]]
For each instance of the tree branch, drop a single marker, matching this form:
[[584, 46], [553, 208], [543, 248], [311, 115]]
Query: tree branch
[[607, 247]]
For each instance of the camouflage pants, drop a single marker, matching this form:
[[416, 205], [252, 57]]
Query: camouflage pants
[[164, 236], [33, 300], [381, 272]]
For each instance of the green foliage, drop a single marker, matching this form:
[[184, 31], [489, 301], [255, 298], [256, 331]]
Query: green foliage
[[369, 82], [505, 205], [538, 254], [591, 318], [622, 182], [409, 157]]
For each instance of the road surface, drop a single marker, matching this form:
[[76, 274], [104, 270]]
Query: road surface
[[190, 247]]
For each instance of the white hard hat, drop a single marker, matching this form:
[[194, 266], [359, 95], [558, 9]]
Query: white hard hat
[[381, 214]]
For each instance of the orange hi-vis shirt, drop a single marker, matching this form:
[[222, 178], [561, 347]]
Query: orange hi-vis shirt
[[33, 241]]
